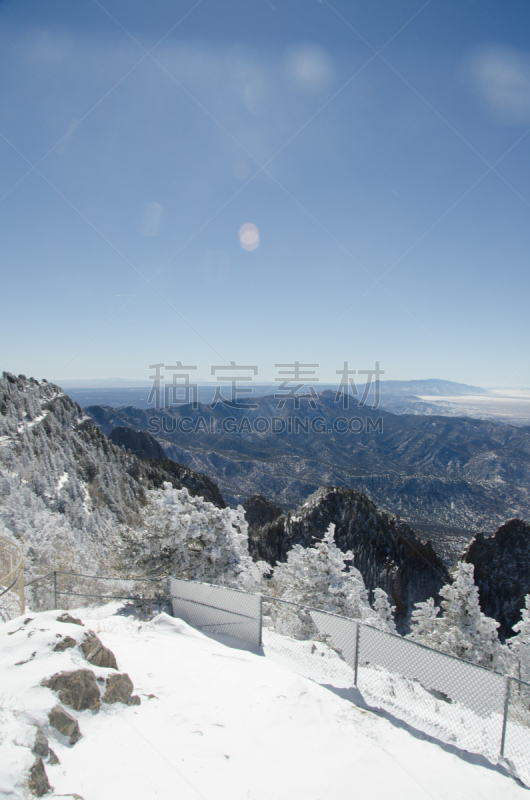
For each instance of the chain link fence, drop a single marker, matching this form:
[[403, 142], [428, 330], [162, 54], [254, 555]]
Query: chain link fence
[[450, 700], [68, 590], [453, 701], [11, 580], [442, 696]]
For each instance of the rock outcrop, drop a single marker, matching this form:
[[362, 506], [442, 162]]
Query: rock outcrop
[[119, 689], [67, 618], [65, 644], [65, 723], [40, 746], [154, 473], [38, 783], [154, 468], [502, 572], [77, 689], [259, 510], [96, 653], [140, 443], [386, 550]]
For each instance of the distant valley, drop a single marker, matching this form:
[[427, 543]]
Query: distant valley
[[449, 477]]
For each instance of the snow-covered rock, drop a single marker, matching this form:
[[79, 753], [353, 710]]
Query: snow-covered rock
[[215, 723]]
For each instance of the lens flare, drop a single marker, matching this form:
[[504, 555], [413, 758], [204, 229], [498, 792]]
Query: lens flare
[[308, 69], [249, 236], [502, 77]]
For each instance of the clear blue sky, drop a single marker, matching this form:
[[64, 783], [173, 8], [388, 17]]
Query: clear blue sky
[[378, 147]]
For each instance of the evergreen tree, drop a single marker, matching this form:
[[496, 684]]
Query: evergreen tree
[[197, 541], [384, 611], [519, 645], [318, 577], [462, 629], [423, 622]]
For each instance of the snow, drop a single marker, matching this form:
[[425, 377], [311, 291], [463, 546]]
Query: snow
[[215, 722], [61, 481], [408, 701], [28, 424]]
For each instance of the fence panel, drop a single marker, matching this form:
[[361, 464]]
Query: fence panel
[[454, 680], [451, 700], [70, 590], [217, 609], [291, 634], [517, 738]]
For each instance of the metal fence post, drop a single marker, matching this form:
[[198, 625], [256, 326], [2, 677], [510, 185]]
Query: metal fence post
[[505, 717], [356, 664], [55, 590], [261, 621]]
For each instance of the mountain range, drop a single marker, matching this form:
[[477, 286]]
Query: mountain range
[[76, 500], [450, 477]]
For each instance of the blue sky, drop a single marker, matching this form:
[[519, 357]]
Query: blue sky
[[379, 148]]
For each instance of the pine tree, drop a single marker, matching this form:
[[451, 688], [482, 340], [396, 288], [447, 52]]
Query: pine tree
[[519, 645], [197, 541], [384, 611], [423, 622], [462, 629], [318, 577]]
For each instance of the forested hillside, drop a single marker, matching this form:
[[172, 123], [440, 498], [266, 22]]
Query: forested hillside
[[75, 501]]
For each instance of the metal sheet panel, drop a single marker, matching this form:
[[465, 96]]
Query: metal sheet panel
[[217, 609]]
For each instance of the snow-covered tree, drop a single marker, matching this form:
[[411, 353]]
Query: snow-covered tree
[[519, 645], [462, 629], [383, 610], [423, 622], [196, 540], [318, 577]]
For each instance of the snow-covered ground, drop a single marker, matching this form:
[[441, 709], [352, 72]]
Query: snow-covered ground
[[215, 722]]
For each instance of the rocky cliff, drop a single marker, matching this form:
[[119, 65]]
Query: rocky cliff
[[140, 443], [155, 468], [386, 551], [502, 572]]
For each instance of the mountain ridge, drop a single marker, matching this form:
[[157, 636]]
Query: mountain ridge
[[450, 477]]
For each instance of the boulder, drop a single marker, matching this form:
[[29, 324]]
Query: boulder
[[134, 700], [77, 689], [96, 653], [119, 689], [54, 759], [63, 722], [67, 618], [38, 780], [64, 644], [40, 747]]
